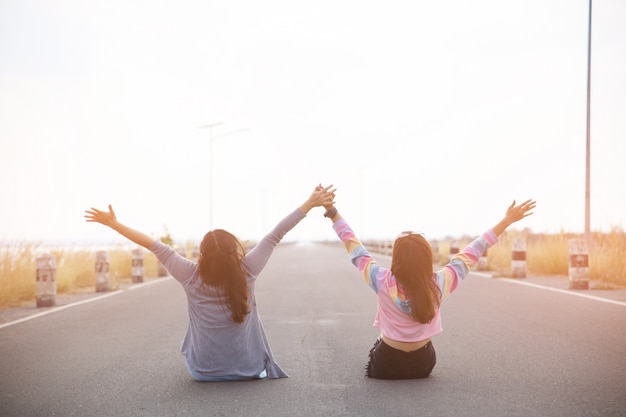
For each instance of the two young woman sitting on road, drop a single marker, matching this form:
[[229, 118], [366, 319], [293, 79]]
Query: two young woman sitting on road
[[229, 343]]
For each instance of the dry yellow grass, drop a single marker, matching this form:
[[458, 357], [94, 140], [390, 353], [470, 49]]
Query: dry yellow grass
[[549, 254], [17, 263], [607, 257], [545, 255], [75, 270]]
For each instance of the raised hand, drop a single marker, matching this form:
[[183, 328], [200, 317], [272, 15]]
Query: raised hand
[[106, 218], [329, 205], [515, 213], [319, 197]]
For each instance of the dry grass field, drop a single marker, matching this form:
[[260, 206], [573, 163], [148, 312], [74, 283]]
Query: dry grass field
[[546, 255], [75, 270]]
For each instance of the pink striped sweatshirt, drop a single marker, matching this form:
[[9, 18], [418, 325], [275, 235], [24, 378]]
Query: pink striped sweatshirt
[[393, 316]]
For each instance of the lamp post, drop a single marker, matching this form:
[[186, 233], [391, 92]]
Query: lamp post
[[211, 137], [210, 127], [588, 153]]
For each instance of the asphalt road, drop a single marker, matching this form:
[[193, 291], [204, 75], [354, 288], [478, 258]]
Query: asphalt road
[[506, 350]]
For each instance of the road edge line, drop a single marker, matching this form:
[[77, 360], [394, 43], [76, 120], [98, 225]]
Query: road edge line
[[544, 287], [77, 303]]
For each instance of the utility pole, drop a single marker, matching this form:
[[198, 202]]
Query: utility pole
[[210, 127], [211, 171], [588, 157]]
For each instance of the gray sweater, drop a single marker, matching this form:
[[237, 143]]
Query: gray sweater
[[214, 344]]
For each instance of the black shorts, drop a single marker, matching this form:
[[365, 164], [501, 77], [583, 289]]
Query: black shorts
[[386, 362]]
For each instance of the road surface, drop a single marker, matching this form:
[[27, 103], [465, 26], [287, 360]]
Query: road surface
[[506, 350]]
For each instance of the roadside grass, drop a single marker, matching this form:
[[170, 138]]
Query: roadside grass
[[75, 270], [546, 255]]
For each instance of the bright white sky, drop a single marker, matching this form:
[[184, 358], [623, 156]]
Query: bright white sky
[[426, 115]]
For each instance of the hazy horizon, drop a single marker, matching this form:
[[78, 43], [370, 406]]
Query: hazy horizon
[[429, 116]]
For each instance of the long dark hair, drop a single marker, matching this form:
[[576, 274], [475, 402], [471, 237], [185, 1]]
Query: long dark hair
[[220, 267], [412, 265]]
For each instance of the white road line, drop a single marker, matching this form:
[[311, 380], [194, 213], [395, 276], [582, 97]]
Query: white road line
[[543, 287], [88, 300]]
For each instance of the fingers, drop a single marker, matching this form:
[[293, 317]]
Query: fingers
[[91, 213], [326, 191], [331, 193], [528, 203], [327, 194], [90, 216], [524, 209], [331, 190], [99, 216], [527, 206], [320, 187]]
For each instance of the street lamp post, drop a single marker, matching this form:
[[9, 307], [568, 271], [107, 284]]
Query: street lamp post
[[210, 127], [211, 137], [588, 156]]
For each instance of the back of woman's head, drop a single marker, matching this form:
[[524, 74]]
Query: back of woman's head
[[220, 267], [412, 265]]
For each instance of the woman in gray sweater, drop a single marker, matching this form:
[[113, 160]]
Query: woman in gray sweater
[[225, 339]]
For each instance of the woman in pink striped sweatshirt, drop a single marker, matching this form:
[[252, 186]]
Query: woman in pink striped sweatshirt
[[410, 293]]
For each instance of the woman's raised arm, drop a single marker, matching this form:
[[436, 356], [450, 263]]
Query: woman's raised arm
[[108, 218]]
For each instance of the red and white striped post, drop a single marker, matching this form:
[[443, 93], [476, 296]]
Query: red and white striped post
[[102, 271], [578, 270], [518, 258], [46, 288], [137, 265], [454, 248]]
